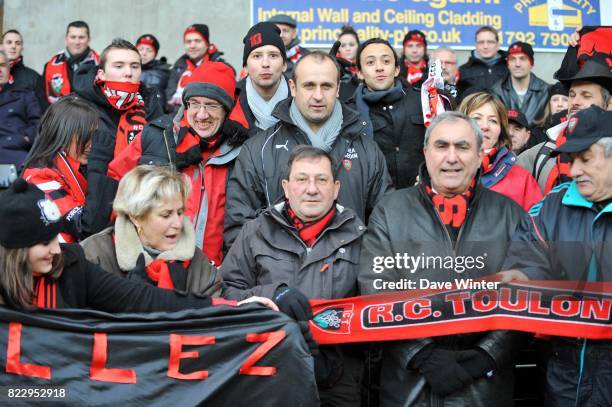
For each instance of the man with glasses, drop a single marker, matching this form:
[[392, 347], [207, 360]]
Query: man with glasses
[[487, 64], [207, 143], [450, 70]]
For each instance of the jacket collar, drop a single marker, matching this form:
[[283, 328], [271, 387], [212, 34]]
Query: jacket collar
[[352, 125], [126, 238], [573, 197]]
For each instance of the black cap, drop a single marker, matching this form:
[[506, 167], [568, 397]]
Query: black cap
[[27, 216], [517, 117], [150, 40], [557, 89], [283, 19], [585, 128], [591, 71], [261, 34]]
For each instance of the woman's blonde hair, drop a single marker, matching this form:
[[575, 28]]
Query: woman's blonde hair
[[146, 187], [17, 278], [476, 100]]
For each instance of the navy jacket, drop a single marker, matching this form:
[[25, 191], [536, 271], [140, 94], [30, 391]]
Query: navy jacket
[[19, 116]]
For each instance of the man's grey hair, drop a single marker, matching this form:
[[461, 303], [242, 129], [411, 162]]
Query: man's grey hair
[[444, 48], [606, 143], [454, 117], [605, 94]]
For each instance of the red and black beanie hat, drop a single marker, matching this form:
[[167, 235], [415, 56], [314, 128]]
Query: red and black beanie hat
[[27, 216], [150, 40], [415, 36], [521, 48], [264, 33], [201, 29]]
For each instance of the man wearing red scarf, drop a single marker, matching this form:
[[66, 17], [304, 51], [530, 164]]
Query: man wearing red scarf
[[452, 217], [115, 90], [413, 64], [305, 246], [198, 49]]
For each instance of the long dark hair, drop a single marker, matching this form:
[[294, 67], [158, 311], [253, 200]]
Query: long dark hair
[[69, 118]]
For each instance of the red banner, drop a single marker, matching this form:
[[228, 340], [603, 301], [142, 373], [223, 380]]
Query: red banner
[[560, 308]]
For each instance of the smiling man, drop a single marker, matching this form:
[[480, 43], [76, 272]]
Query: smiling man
[[312, 116], [449, 213], [569, 237], [23, 76], [522, 89], [306, 246], [59, 71], [392, 110], [115, 90]]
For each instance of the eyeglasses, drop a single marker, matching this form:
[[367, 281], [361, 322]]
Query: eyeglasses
[[210, 108]]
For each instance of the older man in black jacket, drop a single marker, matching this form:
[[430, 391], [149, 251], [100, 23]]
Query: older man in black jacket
[[449, 213], [314, 116]]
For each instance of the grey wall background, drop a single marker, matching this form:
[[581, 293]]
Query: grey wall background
[[43, 25]]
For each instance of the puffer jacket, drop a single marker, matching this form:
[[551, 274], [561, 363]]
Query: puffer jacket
[[511, 180], [569, 238], [399, 132], [534, 101], [269, 253], [19, 117], [406, 221], [475, 75], [255, 182], [101, 249]]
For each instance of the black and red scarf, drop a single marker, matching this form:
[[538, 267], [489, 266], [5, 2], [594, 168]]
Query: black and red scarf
[[348, 64], [68, 168], [560, 172], [310, 231], [57, 81], [45, 291], [15, 62], [414, 72], [168, 274], [452, 210], [124, 97], [488, 159]]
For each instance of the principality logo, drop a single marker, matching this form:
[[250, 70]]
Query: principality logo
[[335, 319]]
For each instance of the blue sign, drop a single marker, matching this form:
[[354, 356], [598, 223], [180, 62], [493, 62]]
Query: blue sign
[[545, 24]]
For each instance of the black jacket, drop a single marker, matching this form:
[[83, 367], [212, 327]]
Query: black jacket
[[85, 285], [406, 221], [155, 76], [84, 85], [19, 117], [255, 182], [29, 79], [475, 75], [534, 101], [399, 132]]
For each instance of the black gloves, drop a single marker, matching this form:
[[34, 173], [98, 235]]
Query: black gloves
[[334, 49], [441, 370], [313, 346], [102, 151], [476, 362], [293, 303], [193, 156], [234, 132], [139, 272]]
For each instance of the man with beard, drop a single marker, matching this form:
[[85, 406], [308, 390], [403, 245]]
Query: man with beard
[[155, 72], [198, 49], [522, 89], [312, 116], [288, 33], [265, 61], [391, 109], [115, 90], [59, 71]]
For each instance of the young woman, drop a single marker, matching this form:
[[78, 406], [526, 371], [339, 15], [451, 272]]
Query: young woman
[[58, 165], [558, 101], [149, 205], [499, 172], [345, 51], [36, 271]]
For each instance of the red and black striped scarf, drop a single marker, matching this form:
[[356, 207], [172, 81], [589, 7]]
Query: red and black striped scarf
[[57, 81], [124, 97], [45, 291], [69, 171], [310, 231], [414, 72], [560, 172], [452, 210]]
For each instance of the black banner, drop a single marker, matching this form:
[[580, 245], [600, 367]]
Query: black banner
[[217, 356]]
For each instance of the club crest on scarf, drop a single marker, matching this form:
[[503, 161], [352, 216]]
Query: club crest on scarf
[[56, 83], [49, 212], [335, 319]]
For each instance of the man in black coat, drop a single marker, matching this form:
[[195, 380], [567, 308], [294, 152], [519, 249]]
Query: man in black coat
[[155, 72], [314, 116], [391, 109], [23, 77]]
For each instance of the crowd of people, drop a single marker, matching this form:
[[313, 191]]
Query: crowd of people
[[149, 187]]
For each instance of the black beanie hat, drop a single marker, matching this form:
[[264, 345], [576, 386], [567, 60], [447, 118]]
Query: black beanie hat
[[201, 29], [557, 89], [150, 40], [264, 33], [27, 216], [415, 35]]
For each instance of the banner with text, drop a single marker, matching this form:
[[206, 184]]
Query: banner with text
[[545, 24]]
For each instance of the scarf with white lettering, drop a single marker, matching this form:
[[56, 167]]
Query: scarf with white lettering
[[262, 109], [327, 134]]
